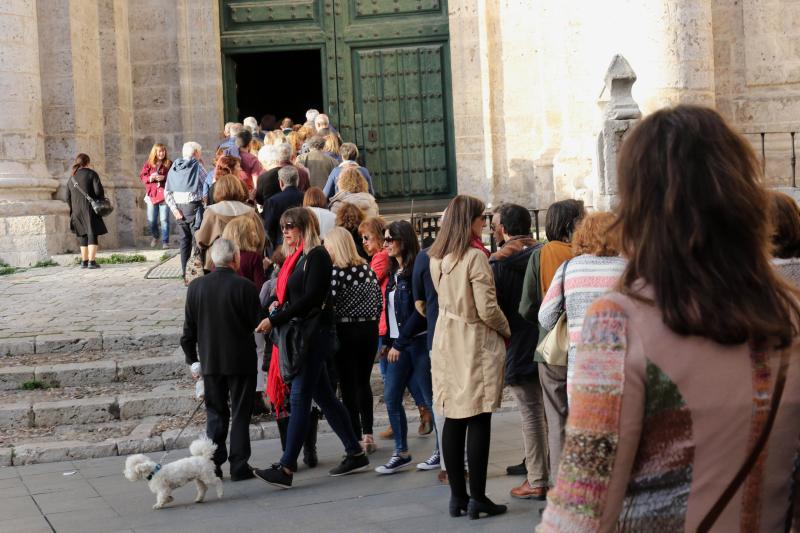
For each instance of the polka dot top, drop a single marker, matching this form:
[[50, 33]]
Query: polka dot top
[[356, 294]]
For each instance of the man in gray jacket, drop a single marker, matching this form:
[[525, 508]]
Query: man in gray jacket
[[183, 193]]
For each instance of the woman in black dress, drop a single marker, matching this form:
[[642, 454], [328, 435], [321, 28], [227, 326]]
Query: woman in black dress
[[83, 221]]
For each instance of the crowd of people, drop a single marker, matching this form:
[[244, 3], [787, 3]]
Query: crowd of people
[[671, 401]]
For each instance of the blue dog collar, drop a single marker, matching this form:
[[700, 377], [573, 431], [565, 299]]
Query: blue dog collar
[[154, 472]]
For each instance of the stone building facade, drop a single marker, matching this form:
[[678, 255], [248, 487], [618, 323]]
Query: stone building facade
[[111, 77]]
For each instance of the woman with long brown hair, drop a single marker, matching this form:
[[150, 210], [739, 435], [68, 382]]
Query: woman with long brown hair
[[154, 176], [687, 384], [83, 221], [468, 355]]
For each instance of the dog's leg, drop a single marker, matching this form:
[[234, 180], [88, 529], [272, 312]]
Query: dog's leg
[[218, 481], [162, 498], [201, 490]]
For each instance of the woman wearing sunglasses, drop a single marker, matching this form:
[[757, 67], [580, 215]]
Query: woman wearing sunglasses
[[303, 286], [405, 342]]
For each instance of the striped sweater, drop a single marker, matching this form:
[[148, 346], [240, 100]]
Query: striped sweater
[[587, 277]]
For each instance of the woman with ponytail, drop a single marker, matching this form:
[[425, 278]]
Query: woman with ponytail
[[83, 221]]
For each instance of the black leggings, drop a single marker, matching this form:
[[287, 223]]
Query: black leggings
[[476, 431], [86, 240], [354, 360]]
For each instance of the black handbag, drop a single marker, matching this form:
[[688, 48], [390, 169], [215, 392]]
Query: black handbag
[[294, 342], [101, 207]]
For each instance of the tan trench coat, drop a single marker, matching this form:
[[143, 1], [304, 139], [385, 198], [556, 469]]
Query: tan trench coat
[[469, 352]]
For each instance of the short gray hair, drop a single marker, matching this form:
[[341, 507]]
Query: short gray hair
[[189, 148], [311, 114], [323, 120], [251, 124], [236, 128], [223, 252], [289, 175], [268, 154], [283, 152], [317, 142]]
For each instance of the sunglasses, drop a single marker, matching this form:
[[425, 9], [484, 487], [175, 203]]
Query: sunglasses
[[365, 238], [287, 226], [388, 240]]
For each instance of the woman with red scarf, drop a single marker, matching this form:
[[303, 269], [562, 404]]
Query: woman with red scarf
[[303, 285]]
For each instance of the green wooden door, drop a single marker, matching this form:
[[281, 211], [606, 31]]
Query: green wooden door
[[386, 65]]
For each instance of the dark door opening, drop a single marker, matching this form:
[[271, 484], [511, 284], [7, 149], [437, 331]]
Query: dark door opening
[[283, 84]]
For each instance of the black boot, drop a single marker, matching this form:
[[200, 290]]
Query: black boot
[[283, 429], [310, 445]]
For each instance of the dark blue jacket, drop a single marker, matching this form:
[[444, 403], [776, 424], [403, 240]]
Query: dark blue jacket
[[410, 323], [275, 207], [422, 287]]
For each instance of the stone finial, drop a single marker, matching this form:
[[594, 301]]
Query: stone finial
[[620, 78]]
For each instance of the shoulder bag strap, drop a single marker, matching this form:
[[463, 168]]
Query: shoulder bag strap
[[741, 475], [563, 282], [75, 183]]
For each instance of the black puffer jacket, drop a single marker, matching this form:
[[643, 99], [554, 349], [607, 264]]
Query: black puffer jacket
[[509, 272]]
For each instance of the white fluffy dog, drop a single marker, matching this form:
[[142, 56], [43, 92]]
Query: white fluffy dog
[[162, 479]]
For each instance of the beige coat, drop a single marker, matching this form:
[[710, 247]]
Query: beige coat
[[215, 218], [469, 352], [362, 200]]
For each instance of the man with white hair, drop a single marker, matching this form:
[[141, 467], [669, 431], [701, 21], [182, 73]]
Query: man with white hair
[[311, 115], [183, 193], [234, 130], [222, 311], [290, 196], [273, 158], [251, 124]]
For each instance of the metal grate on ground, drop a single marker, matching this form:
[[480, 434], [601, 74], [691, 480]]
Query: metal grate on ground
[[169, 269]]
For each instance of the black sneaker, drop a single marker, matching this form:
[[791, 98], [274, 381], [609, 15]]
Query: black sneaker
[[350, 465], [84, 264], [275, 476], [517, 470], [93, 264]]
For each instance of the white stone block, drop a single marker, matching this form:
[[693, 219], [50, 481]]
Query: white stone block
[[174, 403], [130, 445], [82, 411], [12, 378], [78, 374], [152, 369], [17, 346], [49, 452], [6, 456], [16, 415], [68, 342]]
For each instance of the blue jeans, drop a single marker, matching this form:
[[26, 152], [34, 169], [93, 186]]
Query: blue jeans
[[313, 384], [155, 213], [413, 366], [413, 388]]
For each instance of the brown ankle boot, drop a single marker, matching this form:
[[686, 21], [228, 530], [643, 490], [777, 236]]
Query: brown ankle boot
[[388, 434], [425, 420]]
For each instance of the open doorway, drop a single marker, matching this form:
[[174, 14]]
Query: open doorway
[[283, 84]]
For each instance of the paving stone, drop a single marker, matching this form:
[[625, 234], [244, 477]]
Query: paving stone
[[48, 452], [69, 342], [16, 415], [12, 378], [17, 345], [156, 403], [163, 337], [81, 411], [77, 374], [152, 369]]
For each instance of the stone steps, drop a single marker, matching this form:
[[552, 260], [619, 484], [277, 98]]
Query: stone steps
[[83, 341], [141, 366]]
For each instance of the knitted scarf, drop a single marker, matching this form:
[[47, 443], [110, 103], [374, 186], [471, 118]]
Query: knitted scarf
[[276, 388]]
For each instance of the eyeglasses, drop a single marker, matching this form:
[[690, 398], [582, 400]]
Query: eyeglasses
[[287, 226], [388, 240], [365, 238]]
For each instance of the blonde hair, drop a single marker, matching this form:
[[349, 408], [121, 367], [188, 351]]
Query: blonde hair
[[247, 232], [342, 249], [274, 138], [254, 146], [229, 187], [351, 180], [332, 143], [153, 157], [306, 221]]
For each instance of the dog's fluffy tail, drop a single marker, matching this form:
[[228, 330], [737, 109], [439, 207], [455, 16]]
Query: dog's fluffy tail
[[203, 447]]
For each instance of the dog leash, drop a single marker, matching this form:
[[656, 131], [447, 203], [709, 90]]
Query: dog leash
[[166, 451]]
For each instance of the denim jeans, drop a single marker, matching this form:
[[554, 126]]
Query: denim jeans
[[156, 213], [413, 366], [313, 384], [413, 388]]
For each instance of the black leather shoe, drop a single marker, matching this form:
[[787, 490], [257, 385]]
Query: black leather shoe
[[275, 476], [218, 471], [245, 474], [517, 470], [93, 265], [458, 506], [84, 264], [475, 508]]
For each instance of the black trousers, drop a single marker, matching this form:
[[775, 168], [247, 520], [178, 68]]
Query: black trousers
[[241, 390], [477, 432], [354, 361], [192, 218]]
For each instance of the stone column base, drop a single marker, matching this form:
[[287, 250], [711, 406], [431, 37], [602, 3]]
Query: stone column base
[[28, 238]]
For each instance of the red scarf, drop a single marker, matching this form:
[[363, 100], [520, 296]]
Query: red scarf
[[476, 242], [276, 388]]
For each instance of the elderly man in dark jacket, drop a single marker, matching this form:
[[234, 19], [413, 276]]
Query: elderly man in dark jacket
[[508, 265], [222, 311]]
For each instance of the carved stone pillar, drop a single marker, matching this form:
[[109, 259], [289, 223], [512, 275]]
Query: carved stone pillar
[[32, 224]]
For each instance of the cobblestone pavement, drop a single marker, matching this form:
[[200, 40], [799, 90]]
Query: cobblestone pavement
[[93, 496], [114, 300]]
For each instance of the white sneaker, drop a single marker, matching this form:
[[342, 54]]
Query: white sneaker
[[396, 463], [432, 463]]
